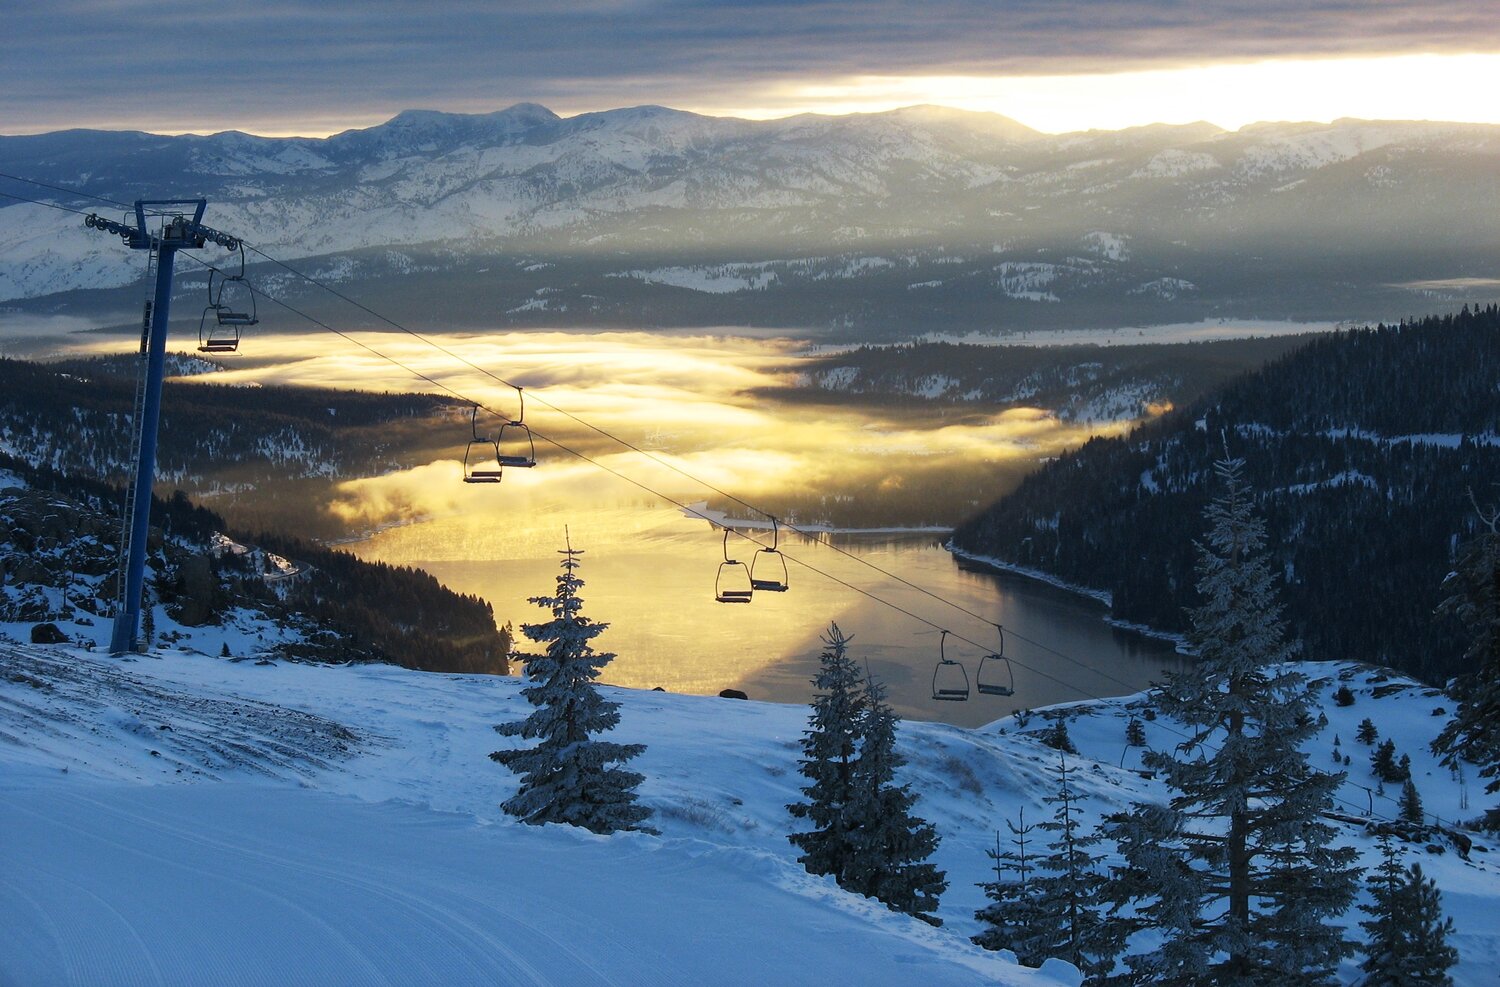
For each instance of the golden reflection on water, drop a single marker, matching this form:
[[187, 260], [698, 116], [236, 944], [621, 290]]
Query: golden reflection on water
[[692, 402]]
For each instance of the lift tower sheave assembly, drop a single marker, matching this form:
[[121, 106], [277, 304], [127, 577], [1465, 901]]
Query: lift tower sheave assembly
[[173, 231]]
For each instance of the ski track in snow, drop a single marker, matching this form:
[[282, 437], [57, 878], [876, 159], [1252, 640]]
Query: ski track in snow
[[312, 824], [264, 844]]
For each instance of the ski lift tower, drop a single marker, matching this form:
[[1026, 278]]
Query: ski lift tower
[[162, 228]]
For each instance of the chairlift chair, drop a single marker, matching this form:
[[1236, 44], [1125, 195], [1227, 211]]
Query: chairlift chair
[[216, 338], [733, 583], [477, 465], [520, 432], [951, 686], [229, 314], [987, 678], [768, 567]]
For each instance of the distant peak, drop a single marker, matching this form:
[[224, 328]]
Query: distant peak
[[528, 114]]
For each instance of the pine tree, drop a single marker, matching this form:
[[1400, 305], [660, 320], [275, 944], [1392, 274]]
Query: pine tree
[[1411, 803], [1237, 874], [1070, 890], [1013, 913], [1473, 734], [1367, 734], [889, 845], [1135, 733], [1406, 936], [1383, 760], [567, 777], [829, 746], [1056, 737]]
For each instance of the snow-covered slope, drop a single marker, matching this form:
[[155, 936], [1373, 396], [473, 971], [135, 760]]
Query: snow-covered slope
[[1109, 212], [181, 818]]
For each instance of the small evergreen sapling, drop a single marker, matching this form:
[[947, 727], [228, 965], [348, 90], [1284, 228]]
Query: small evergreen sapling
[[1411, 803], [1056, 737], [1406, 936], [567, 777], [1070, 887], [1013, 912], [1367, 734]]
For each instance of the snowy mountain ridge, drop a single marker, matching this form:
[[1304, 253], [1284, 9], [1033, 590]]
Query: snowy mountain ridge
[[1150, 206]]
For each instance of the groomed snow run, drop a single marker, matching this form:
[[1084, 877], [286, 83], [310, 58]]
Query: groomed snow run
[[184, 819], [169, 821]]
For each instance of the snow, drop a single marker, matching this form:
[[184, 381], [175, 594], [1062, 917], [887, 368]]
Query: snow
[[1176, 332], [390, 862], [182, 818], [712, 280], [1108, 245], [1174, 163]]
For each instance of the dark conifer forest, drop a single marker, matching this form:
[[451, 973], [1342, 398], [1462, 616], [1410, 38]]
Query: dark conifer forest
[[1367, 451]]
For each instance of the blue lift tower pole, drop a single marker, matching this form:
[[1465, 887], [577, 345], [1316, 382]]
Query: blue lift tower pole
[[173, 231]]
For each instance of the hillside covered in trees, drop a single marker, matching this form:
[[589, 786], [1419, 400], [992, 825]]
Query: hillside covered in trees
[[58, 554], [257, 452], [1362, 448]]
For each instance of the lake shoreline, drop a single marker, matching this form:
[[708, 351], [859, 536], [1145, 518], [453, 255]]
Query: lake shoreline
[[1100, 595]]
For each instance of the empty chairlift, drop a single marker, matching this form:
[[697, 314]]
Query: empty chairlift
[[768, 567], [231, 302], [995, 677], [733, 583], [950, 680], [514, 445], [482, 463]]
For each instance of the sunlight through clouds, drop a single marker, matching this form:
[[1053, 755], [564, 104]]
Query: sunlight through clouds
[[1231, 95], [703, 406]]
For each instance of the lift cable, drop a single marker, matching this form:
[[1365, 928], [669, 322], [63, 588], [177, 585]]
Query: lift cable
[[66, 191], [654, 492], [39, 202], [617, 439], [1107, 701], [626, 443], [1104, 700]]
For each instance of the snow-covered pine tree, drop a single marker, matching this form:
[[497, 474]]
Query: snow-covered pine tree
[[1411, 803], [889, 846], [1013, 912], [1383, 761], [1430, 954], [568, 777], [1406, 936], [1237, 874], [829, 746], [1070, 891], [1474, 597]]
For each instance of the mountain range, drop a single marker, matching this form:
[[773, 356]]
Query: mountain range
[[867, 225]]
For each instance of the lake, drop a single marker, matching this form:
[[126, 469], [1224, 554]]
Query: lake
[[703, 413], [650, 574]]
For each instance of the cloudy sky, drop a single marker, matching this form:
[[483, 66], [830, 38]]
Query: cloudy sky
[[319, 66]]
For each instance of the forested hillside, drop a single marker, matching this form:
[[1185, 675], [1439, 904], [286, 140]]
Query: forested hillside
[[59, 538], [1364, 448], [253, 450], [1079, 383]]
